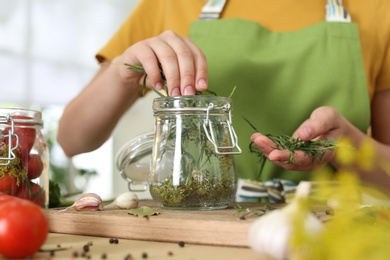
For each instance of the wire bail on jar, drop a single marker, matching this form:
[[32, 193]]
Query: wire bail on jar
[[208, 128], [11, 134]]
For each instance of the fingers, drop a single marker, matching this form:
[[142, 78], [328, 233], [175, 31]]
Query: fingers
[[200, 62], [301, 160], [291, 160], [183, 63], [324, 122]]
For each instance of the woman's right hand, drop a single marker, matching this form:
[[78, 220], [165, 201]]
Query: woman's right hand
[[183, 63]]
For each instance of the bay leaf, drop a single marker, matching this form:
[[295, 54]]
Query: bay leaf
[[143, 211]]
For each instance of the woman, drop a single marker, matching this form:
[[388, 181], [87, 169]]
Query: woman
[[312, 69]]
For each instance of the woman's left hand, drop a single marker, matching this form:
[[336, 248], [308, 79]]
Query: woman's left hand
[[324, 123]]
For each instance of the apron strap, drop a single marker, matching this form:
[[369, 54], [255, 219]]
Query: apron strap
[[212, 9], [335, 12]]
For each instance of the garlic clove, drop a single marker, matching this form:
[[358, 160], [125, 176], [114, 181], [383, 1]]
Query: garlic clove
[[127, 200], [270, 234], [87, 201]]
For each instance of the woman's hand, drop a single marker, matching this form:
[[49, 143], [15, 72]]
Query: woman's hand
[[183, 63], [324, 123]]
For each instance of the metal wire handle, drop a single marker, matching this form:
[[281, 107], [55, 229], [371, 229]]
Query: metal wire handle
[[208, 128], [11, 134]]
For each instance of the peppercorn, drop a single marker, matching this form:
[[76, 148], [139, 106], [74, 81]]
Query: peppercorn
[[128, 257]]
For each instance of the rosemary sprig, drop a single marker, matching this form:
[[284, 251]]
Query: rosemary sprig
[[313, 148], [139, 68]]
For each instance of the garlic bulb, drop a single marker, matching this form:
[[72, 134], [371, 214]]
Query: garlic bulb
[[270, 234], [127, 200]]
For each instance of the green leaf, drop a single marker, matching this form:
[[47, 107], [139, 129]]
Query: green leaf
[[143, 211]]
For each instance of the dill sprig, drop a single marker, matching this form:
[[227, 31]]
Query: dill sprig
[[313, 148]]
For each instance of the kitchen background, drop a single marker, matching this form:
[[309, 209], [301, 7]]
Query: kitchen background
[[47, 50]]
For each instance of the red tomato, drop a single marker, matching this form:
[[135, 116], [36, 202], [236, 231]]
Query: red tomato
[[24, 228], [33, 192], [8, 184], [34, 166], [5, 197]]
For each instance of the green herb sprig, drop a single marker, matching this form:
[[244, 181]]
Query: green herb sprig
[[139, 68], [313, 148], [244, 212]]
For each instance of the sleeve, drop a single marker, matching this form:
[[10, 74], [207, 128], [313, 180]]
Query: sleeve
[[143, 22]]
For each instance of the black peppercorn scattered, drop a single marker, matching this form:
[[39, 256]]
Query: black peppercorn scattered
[[52, 253], [181, 243], [86, 248], [104, 256], [242, 218], [170, 253], [113, 241], [128, 257], [75, 254], [144, 255]]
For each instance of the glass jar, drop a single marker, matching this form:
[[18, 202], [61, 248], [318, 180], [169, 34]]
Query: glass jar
[[192, 164], [24, 155]]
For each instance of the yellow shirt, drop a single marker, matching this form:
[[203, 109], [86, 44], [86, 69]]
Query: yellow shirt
[[152, 17]]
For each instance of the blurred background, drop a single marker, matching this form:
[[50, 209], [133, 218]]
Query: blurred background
[[47, 55]]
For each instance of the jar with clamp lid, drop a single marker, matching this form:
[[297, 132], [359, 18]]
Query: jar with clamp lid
[[192, 164], [24, 155]]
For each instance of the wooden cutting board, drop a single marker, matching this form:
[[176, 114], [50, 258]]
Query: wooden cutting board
[[216, 227]]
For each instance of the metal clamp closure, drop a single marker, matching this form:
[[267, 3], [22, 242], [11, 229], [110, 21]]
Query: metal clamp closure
[[208, 128], [11, 134]]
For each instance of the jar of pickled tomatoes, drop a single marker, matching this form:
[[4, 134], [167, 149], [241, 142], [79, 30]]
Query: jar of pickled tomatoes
[[24, 155]]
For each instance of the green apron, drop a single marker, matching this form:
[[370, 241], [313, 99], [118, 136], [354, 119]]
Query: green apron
[[281, 77]]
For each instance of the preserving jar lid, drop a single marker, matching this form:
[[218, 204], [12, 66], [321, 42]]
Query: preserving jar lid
[[133, 159], [30, 117]]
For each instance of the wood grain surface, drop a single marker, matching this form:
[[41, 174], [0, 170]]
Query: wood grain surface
[[216, 227]]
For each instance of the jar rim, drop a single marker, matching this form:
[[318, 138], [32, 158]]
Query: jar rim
[[34, 117], [191, 103]]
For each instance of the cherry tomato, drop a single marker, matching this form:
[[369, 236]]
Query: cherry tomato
[[32, 192], [24, 228], [8, 184], [34, 166]]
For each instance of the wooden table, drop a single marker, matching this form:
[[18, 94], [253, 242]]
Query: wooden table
[[218, 234], [101, 248]]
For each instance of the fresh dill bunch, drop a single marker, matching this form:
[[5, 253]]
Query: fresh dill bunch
[[313, 148]]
